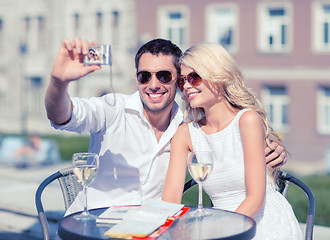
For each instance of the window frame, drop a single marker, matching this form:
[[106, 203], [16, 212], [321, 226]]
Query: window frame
[[41, 32], [316, 37], [278, 101], [210, 10], [163, 23], [262, 20], [4, 94], [322, 102], [2, 34], [34, 94]]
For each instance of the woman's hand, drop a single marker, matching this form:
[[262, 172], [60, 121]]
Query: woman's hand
[[275, 155]]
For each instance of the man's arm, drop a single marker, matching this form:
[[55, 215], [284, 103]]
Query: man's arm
[[68, 66], [57, 102], [275, 155]]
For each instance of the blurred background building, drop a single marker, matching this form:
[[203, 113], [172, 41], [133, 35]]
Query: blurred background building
[[30, 35], [282, 48]]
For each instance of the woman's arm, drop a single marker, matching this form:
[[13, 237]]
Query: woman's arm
[[176, 174], [253, 141]]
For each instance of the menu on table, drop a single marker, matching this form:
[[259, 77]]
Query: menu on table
[[139, 221]]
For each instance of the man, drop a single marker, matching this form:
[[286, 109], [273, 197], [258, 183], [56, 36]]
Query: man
[[131, 136]]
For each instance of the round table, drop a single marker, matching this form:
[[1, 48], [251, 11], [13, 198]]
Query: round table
[[220, 224]]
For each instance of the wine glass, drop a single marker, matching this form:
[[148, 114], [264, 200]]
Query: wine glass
[[200, 165], [85, 166]]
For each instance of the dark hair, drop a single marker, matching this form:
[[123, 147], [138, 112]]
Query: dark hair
[[160, 46]]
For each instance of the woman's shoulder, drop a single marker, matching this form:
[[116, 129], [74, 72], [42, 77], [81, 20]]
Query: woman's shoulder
[[182, 132], [183, 128], [250, 118], [182, 136]]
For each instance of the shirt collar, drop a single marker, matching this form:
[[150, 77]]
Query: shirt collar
[[134, 103]]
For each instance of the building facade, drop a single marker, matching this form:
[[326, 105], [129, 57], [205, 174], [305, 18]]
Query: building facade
[[282, 48], [30, 35]]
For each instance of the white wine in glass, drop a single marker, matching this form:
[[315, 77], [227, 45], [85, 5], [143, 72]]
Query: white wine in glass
[[85, 166], [200, 165]]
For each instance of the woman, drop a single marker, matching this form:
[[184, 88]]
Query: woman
[[228, 118]]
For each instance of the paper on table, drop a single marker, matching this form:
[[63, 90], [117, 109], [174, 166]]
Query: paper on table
[[144, 220], [114, 214]]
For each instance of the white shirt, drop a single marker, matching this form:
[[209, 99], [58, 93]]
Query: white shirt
[[133, 165]]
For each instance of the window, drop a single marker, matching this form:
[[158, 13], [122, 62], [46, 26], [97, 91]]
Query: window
[[41, 32], [323, 110], [25, 35], [115, 27], [321, 27], [1, 36], [34, 94], [76, 24], [99, 27], [33, 35], [2, 100], [275, 101], [274, 29], [173, 25], [4, 89], [222, 26]]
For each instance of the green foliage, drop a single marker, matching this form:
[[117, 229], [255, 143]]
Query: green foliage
[[320, 185], [190, 198], [71, 144]]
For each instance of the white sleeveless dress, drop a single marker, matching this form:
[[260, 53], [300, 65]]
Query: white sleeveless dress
[[226, 185]]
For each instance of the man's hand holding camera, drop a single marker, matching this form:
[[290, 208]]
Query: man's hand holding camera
[[69, 62], [68, 66]]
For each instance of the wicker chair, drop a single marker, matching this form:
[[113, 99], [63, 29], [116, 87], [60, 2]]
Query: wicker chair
[[284, 181], [70, 188]]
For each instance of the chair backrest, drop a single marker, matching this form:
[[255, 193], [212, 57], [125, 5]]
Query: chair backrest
[[283, 185], [188, 185], [69, 185], [284, 181], [70, 188]]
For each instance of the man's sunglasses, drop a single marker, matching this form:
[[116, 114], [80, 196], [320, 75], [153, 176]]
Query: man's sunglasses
[[192, 78], [144, 77]]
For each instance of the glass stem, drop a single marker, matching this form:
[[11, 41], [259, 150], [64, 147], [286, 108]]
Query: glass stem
[[85, 205], [200, 196]]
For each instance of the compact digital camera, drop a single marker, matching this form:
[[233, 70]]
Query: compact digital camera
[[98, 55]]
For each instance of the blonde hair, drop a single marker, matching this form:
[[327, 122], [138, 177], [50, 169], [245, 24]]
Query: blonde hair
[[214, 64]]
